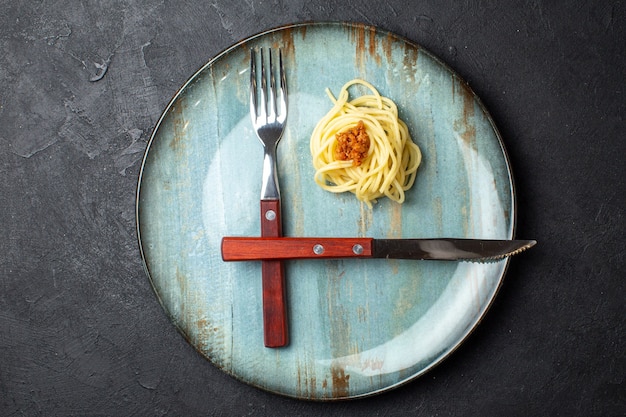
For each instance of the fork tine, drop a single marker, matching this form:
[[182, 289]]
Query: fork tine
[[253, 86], [272, 93], [282, 92], [262, 112]]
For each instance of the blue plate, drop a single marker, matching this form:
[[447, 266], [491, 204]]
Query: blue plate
[[357, 327]]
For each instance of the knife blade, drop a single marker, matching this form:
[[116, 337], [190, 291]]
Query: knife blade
[[281, 248]]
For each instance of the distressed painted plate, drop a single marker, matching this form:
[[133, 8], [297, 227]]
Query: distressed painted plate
[[358, 327]]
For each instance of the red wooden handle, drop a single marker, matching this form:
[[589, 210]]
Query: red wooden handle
[[271, 223], [259, 248], [274, 308]]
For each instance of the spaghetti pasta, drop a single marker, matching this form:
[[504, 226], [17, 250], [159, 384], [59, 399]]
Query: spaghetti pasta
[[392, 160]]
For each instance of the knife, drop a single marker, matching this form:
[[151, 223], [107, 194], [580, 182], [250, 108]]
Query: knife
[[281, 248]]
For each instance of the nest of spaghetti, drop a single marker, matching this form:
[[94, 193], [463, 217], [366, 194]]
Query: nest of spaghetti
[[362, 146]]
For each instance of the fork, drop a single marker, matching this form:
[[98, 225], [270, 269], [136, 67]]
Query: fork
[[268, 110]]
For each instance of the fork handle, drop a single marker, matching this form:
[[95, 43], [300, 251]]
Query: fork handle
[[273, 274]]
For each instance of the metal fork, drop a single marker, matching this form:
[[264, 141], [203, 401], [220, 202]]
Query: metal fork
[[268, 110]]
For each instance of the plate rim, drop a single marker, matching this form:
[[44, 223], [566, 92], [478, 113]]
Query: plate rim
[[398, 38]]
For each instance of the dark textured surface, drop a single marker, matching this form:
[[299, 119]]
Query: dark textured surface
[[82, 85]]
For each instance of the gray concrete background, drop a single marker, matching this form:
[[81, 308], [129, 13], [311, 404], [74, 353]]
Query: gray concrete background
[[82, 84]]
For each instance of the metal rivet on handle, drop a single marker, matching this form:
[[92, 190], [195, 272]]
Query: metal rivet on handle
[[318, 249], [270, 215], [357, 249]]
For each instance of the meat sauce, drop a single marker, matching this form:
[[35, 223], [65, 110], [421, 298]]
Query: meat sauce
[[352, 144]]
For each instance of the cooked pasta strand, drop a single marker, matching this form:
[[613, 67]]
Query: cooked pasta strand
[[392, 160]]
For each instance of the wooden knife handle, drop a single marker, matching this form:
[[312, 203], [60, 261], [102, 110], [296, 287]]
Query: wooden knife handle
[[275, 330], [265, 248]]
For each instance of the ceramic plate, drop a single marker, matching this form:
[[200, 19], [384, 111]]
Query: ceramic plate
[[357, 327]]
